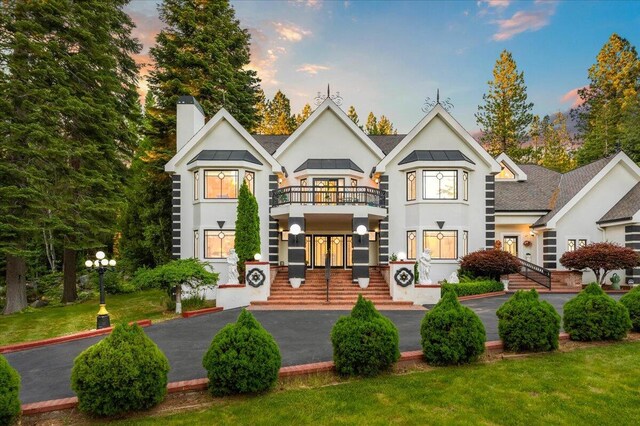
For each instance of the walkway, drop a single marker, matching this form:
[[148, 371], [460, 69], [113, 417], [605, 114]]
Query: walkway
[[303, 337]]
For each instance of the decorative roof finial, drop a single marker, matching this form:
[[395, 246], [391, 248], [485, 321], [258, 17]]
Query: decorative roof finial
[[429, 104], [337, 99]]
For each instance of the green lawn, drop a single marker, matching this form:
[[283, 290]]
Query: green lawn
[[599, 385], [41, 323]]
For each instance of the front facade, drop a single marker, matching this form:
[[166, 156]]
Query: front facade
[[359, 201]]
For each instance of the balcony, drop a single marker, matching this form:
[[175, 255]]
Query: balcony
[[329, 196]]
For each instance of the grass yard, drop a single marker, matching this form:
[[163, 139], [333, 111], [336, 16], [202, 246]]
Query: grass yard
[[599, 385], [53, 321]]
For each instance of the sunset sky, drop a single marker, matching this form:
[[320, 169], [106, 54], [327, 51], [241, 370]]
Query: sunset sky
[[387, 57]]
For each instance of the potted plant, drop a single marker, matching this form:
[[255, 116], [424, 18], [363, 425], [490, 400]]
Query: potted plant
[[363, 282]]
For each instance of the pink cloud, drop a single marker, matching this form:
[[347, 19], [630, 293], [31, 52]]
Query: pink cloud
[[497, 3], [573, 97], [312, 69], [290, 32], [522, 21]]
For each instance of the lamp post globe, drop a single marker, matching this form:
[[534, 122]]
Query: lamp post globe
[[101, 265]]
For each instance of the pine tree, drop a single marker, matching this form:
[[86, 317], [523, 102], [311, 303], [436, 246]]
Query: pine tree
[[385, 127], [353, 115], [247, 240], [557, 141], [202, 51], [304, 114], [280, 110], [506, 114], [609, 101], [371, 128]]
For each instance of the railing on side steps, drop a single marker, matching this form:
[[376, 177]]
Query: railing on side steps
[[535, 273]]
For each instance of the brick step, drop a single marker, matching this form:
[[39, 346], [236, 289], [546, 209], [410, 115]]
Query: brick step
[[331, 301]]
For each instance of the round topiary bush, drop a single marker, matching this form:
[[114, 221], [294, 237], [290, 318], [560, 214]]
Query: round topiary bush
[[631, 301], [593, 315], [365, 342], [243, 358], [9, 393], [526, 323], [124, 372], [451, 333], [490, 263]]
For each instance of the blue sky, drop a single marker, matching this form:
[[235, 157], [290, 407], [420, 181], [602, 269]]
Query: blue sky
[[388, 56]]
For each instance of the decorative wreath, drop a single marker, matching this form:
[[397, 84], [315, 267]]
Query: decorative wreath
[[527, 243]]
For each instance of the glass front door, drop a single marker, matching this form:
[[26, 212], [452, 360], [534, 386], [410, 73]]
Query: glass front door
[[328, 244], [510, 245]]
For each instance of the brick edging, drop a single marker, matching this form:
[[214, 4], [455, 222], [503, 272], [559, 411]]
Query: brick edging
[[482, 296], [189, 314], [67, 338]]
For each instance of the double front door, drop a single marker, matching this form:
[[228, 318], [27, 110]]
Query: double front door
[[337, 247]]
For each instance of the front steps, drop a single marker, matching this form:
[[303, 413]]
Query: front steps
[[342, 291], [559, 283]]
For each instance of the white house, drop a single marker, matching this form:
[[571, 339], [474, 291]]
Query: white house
[[434, 187]]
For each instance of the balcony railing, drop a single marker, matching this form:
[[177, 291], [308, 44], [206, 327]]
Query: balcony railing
[[329, 195]]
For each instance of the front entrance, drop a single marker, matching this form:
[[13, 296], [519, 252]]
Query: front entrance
[[510, 245], [332, 244]]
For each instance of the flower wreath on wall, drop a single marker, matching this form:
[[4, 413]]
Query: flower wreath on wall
[[527, 243]]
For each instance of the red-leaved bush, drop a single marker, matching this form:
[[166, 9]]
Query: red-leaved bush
[[490, 263], [601, 258]]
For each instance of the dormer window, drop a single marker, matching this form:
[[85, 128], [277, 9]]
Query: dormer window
[[505, 173]]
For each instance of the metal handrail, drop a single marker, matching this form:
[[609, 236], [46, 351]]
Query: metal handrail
[[329, 195], [535, 273]]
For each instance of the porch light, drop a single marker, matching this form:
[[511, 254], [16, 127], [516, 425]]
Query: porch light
[[377, 180], [532, 233], [402, 256], [295, 231], [257, 257], [361, 230]]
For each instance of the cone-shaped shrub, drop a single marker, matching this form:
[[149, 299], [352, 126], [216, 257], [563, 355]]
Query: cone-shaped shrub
[[365, 342], [9, 393], [451, 333], [593, 315], [124, 372], [526, 323], [632, 302], [243, 358]]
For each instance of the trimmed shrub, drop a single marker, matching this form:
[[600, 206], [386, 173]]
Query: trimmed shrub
[[593, 315], [243, 358], [247, 239], [451, 333], [365, 343], [9, 393], [124, 372], [191, 272], [490, 263], [601, 258], [469, 288], [631, 301], [526, 323]]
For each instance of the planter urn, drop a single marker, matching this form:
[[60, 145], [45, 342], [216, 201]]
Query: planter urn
[[363, 282], [295, 282]]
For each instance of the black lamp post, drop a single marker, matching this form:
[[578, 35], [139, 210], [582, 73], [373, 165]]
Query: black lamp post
[[101, 265]]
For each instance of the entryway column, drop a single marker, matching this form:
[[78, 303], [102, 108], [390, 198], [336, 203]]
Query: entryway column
[[360, 249], [296, 251]]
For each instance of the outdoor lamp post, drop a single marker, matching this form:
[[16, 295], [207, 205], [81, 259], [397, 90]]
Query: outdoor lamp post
[[101, 265]]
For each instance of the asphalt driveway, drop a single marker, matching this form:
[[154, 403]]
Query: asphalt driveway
[[303, 337]]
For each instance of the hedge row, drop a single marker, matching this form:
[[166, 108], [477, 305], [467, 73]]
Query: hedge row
[[473, 287]]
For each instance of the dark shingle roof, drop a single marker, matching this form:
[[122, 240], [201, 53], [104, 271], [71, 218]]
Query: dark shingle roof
[[226, 155], [329, 163], [625, 208], [385, 142], [435, 155], [534, 194], [570, 184]]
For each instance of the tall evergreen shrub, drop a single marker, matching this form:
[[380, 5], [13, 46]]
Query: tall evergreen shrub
[[247, 242]]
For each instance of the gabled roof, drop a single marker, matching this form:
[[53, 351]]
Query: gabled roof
[[386, 142], [225, 155], [222, 115], [624, 209], [270, 142], [574, 185], [533, 195], [504, 160], [439, 111], [328, 104], [329, 164], [435, 155]]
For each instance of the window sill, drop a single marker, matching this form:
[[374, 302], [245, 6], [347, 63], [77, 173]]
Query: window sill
[[410, 203], [216, 200]]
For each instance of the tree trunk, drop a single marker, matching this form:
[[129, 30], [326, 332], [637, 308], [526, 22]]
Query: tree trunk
[[70, 292], [16, 284]]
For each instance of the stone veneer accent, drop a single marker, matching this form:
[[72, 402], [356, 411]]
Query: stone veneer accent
[[297, 264], [273, 225], [383, 243], [360, 250], [490, 212], [632, 240], [549, 250], [175, 217]]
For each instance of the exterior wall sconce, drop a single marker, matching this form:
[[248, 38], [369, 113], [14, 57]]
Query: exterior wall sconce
[[295, 231], [361, 230]]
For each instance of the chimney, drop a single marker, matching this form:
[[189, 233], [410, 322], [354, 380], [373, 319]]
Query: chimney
[[189, 119]]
